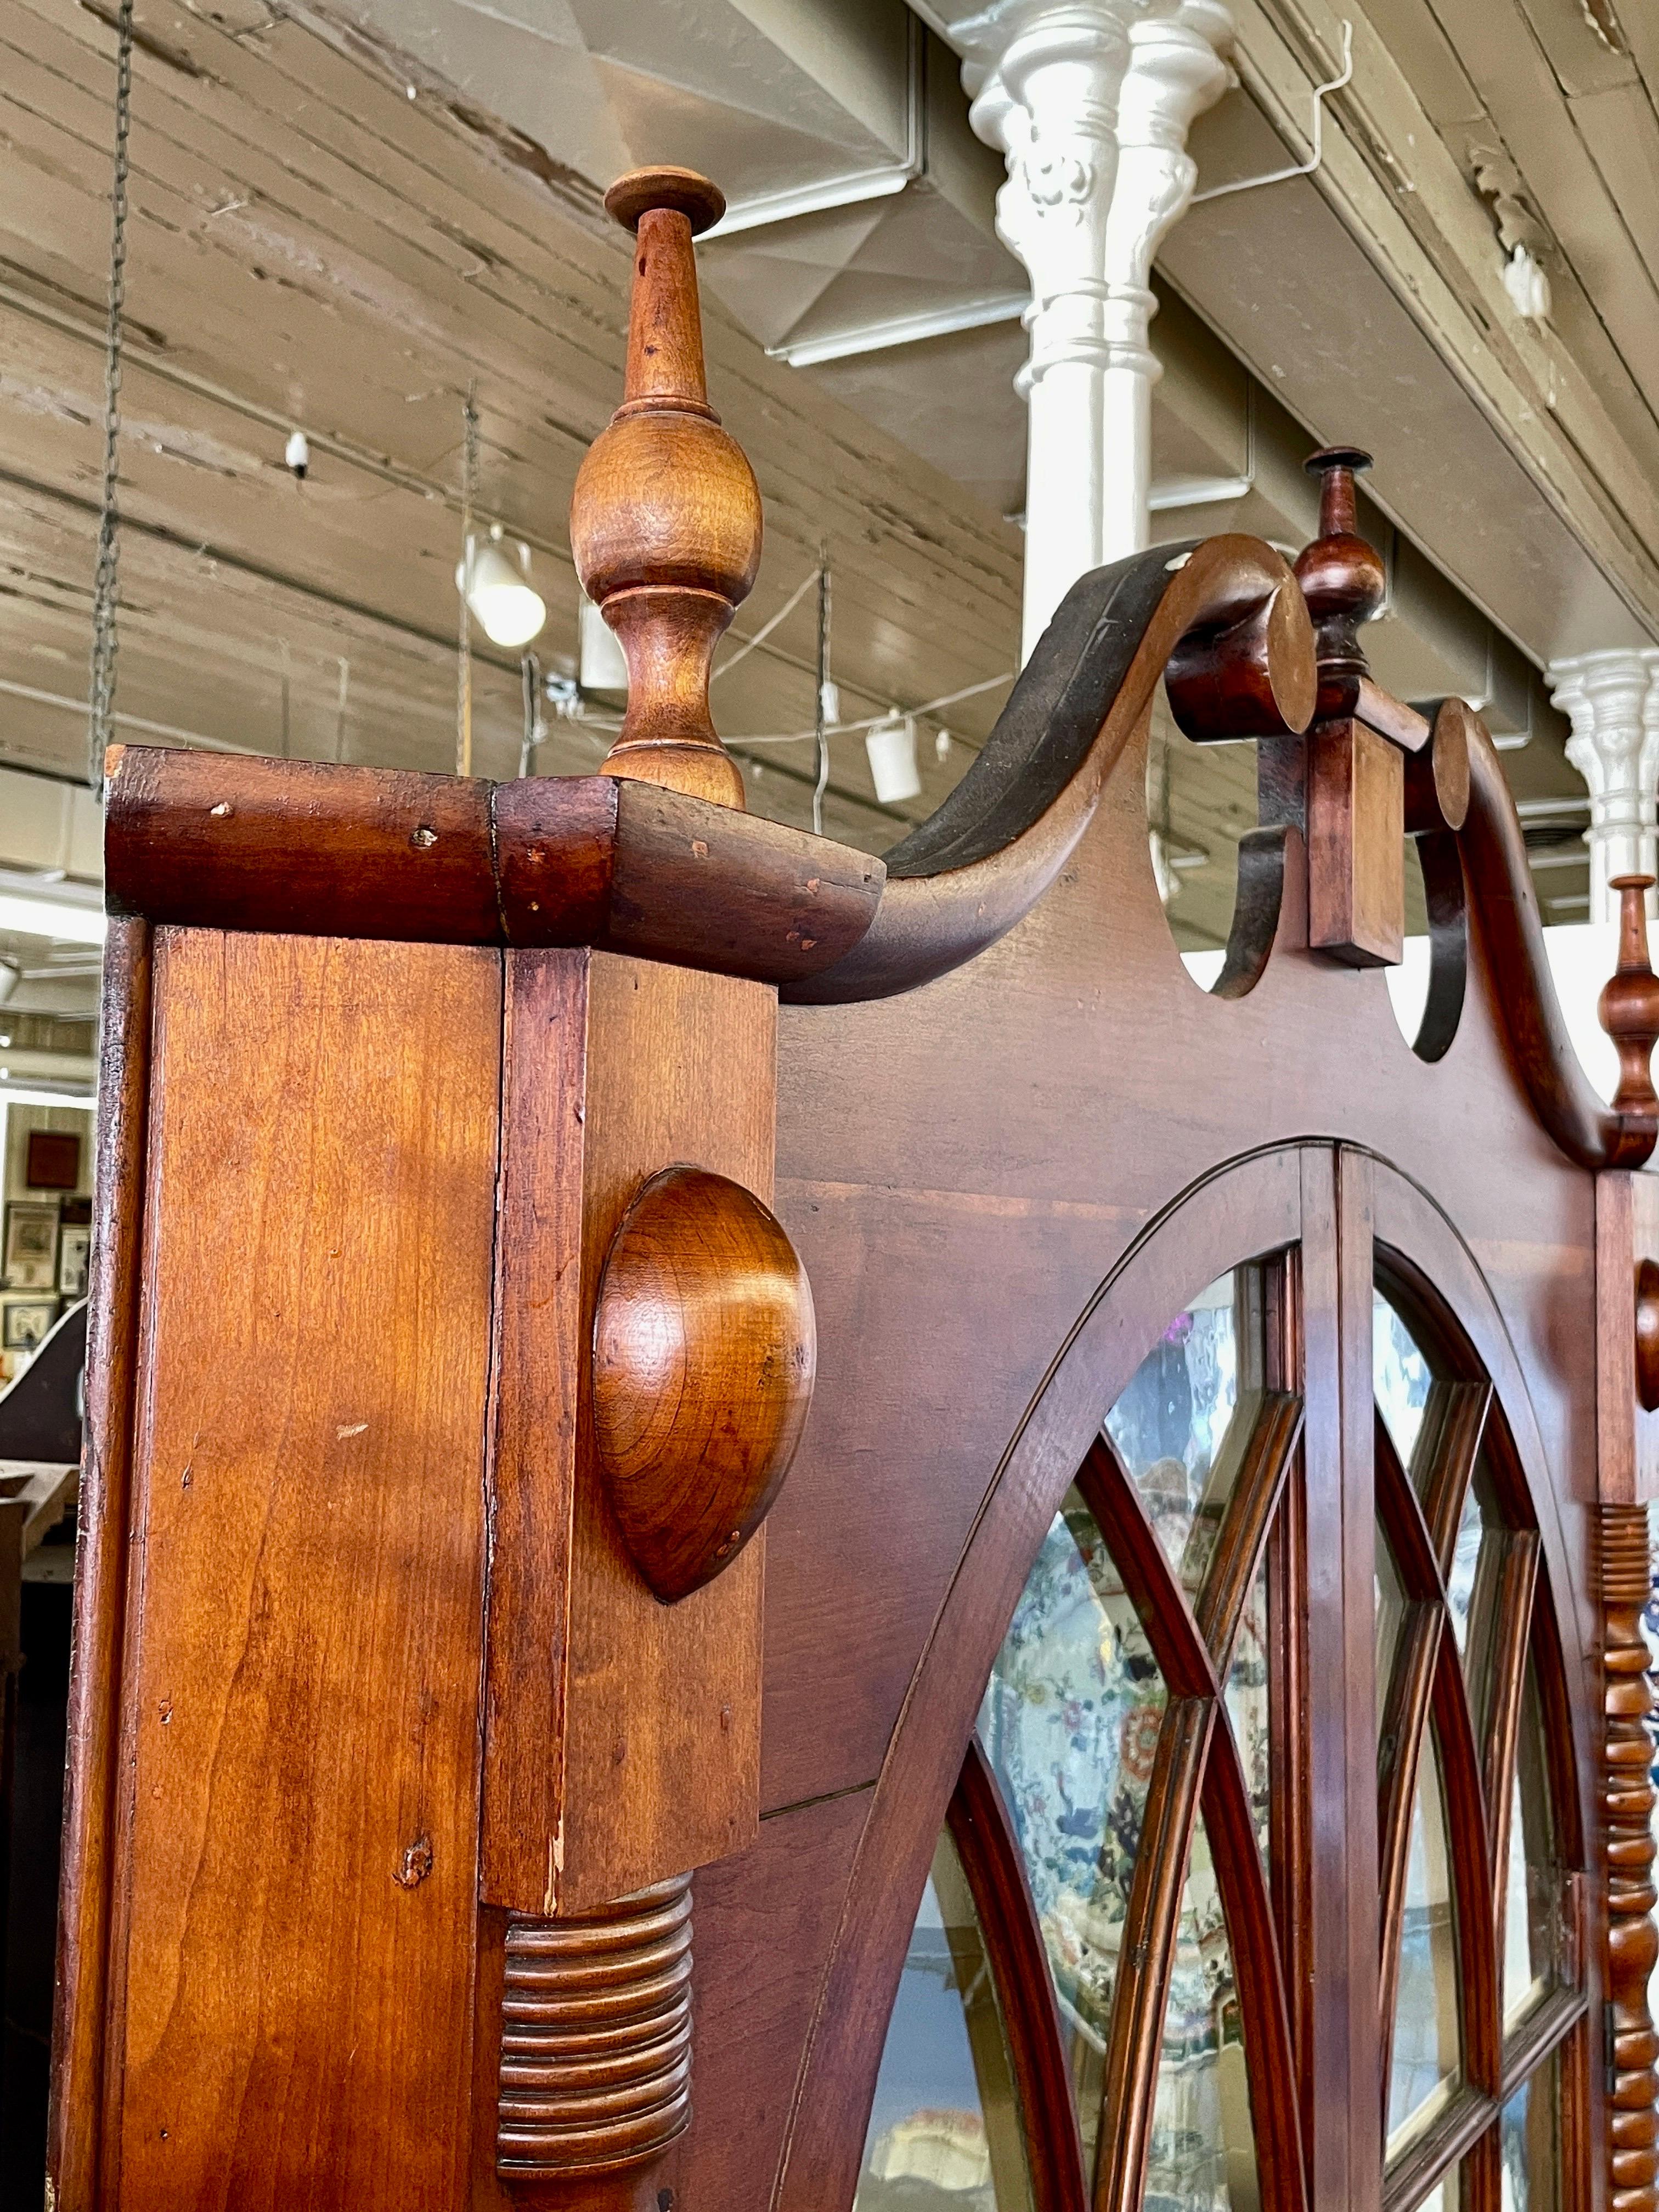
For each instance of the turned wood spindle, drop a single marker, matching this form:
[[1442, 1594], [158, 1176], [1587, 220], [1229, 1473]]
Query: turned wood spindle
[[1342, 579], [1355, 803], [1627, 1803], [1629, 1007], [596, 2037], [665, 519]]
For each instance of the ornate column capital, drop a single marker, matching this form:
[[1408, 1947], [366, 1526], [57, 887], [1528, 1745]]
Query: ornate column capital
[[1612, 699], [1176, 70], [1090, 103], [1047, 81]]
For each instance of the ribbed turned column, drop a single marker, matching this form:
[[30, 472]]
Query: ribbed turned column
[[596, 2037], [1627, 1803]]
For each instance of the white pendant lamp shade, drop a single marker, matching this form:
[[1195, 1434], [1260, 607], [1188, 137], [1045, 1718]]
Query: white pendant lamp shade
[[495, 579], [892, 749], [602, 669]]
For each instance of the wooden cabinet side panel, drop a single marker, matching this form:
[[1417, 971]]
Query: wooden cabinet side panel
[[100, 1559], [680, 1068], [299, 1848]]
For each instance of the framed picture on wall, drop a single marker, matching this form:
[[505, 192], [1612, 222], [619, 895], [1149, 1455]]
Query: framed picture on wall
[[53, 1159], [26, 1321], [74, 1253], [31, 1252]]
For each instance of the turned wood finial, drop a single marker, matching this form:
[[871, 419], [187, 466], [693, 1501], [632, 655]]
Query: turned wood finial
[[1342, 579], [665, 520], [1630, 1002]]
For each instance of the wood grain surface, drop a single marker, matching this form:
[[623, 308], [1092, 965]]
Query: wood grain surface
[[623, 1736], [960, 1171], [291, 1999], [704, 1351], [665, 516], [765, 1920], [1356, 850], [1002, 1186], [76, 2145], [319, 848]]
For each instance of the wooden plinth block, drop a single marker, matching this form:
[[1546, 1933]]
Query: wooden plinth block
[[1356, 803], [1626, 1337], [622, 1735], [1628, 1803], [596, 2037]]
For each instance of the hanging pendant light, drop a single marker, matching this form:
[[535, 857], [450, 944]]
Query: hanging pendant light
[[891, 746], [493, 579], [602, 665]]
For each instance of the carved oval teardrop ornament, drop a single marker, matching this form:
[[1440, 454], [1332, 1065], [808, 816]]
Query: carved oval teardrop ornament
[[704, 1354]]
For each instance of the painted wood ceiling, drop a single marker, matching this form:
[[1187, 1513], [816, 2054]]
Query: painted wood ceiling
[[315, 242], [326, 235]]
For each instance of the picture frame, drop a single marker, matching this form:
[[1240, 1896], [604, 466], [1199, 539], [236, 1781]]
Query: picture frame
[[31, 1247], [74, 1259], [53, 1159], [27, 1322]]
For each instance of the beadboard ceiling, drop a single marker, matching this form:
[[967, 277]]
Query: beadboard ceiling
[[333, 229]]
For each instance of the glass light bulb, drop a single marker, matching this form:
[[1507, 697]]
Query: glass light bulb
[[511, 614], [509, 609]]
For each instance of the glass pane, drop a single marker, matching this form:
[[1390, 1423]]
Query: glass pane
[[1445, 2196], [1169, 1424], [944, 2128], [1466, 1555], [1202, 2152], [1427, 2053], [1532, 1907], [1390, 1614], [1070, 1722], [1246, 1707], [1472, 1586], [1399, 1376], [1528, 2165]]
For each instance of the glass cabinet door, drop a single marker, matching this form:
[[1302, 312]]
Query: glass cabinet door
[[1138, 1741]]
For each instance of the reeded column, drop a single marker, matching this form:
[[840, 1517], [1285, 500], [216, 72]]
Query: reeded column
[[1090, 103], [1175, 72], [1612, 699]]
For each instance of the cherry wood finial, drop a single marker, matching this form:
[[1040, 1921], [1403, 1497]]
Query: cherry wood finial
[[1630, 1002], [665, 519], [1342, 579]]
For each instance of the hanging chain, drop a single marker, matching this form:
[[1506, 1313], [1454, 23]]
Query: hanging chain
[[101, 688], [825, 713], [464, 659]]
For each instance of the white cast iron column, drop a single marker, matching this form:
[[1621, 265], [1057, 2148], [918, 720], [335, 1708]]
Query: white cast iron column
[[1612, 699], [1089, 101]]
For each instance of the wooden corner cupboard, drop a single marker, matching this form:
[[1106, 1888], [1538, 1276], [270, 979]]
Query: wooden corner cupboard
[[764, 1532]]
